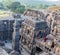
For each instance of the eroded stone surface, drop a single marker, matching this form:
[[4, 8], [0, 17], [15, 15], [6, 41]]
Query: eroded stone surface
[[3, 52]]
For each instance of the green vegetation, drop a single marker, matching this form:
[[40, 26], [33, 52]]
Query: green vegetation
[[13, 6], [6, 3], [17, 7], [41, 6]]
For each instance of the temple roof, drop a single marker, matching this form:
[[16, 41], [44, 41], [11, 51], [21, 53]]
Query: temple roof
[[35, 23]]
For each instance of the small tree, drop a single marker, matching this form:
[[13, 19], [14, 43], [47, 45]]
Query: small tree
[[6, 3], [20, 9], [53, 5], [17, 7], [41, 6]]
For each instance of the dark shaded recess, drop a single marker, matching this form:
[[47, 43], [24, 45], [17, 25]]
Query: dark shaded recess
[[38, 49], [48, 49], [52, 46]]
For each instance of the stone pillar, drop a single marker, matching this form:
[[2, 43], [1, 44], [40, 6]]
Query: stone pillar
[[16, 37], [50, 25], [33, 45]]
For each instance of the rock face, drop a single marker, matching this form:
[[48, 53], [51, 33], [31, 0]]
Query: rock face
[[3, 52], [6, 28]]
